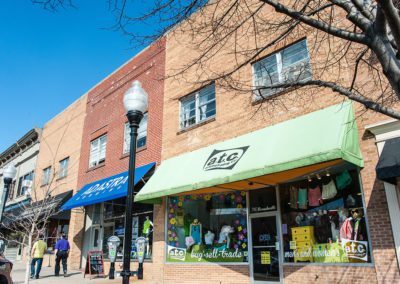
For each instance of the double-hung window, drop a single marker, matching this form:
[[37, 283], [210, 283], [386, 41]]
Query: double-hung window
[[98, 151], [63, 168], [46, 176], [289, 65], [198, 106], [142, 134]]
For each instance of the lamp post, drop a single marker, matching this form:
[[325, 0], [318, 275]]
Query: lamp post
[[135, 103], [9, 173]]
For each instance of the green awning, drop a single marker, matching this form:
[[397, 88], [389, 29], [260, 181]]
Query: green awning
[[326, 135]]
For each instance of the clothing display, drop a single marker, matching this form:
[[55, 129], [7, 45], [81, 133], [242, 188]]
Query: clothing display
[[314, 196], [343, 180], [147, 225], [329, 190], [302, 198], [350, 201], [195, 232], [180, 222], [209, 238], [293, 197]]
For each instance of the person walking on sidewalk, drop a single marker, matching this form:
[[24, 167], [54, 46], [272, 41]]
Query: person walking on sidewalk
[[62, 251], [38, 250]]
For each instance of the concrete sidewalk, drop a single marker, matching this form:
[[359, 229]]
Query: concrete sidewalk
[[47, 276]]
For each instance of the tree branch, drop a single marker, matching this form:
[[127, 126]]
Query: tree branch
[[392, 18]]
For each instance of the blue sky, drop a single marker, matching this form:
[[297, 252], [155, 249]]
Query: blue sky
[[49, 59]]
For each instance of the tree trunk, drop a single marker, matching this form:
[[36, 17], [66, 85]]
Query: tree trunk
[[28, 255]]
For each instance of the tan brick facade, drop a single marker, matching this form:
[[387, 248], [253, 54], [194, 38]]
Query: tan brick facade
[[236, 115], [62, 138]]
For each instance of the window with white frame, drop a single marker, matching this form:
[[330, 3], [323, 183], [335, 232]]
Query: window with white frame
[[142, 134], [25, 183], [46, 176], [198, 106], [98, 151], [63, 168], [291, 64]]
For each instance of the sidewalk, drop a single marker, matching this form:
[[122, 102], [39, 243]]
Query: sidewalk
[[47, 276]]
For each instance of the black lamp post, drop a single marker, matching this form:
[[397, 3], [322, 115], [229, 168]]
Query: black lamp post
[[135, 103], [9, 173]]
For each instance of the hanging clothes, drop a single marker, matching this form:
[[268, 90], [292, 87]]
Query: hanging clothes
[[302, 198], [314, 196], [346, 230], [293, 197]]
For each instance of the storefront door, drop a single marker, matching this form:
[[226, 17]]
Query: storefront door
[[96, 238], [265, 259]]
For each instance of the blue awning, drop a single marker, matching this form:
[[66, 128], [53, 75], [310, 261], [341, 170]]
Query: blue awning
[[105, 189]]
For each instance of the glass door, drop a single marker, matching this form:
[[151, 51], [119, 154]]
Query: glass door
[[96, 238], [265, 250]]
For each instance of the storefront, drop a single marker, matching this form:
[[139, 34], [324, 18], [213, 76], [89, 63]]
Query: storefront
[[104, 202], [281, 196]]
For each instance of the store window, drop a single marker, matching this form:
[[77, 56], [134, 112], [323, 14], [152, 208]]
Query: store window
[[114, 225], [198, 106], [292, 64], [207, 228], [323, 219], [98, 151], [142, 134]]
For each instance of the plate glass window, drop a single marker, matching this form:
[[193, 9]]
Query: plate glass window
[[142, 134], [98, 151], [46, 176], [291, 64], [323, 219], [198, 106], [63, 168]]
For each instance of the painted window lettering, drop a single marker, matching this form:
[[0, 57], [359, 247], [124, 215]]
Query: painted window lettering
[[224, 159]]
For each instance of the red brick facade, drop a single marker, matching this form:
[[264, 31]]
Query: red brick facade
[[105, 114]]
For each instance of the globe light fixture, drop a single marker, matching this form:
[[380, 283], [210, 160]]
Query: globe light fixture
[[9, 173]]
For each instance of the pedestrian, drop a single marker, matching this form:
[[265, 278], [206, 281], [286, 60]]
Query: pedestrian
[[38, 250], [62, 251]]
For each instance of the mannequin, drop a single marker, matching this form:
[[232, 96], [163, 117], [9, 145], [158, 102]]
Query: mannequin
[[147, 229], [353, 227], [209, 238], [195, 231]]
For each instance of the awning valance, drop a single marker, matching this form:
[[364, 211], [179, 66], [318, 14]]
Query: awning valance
[[388, 167], [106, 189], [319, 139]]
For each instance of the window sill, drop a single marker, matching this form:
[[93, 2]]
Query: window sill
[[138, 150], [96, 167], [194, 126], [282, 92], [60, 178]]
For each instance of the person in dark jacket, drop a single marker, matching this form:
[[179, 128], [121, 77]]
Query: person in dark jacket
[[61, 250]]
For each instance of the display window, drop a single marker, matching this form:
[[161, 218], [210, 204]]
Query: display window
[[207, 228], [323, 219], [114, 225]]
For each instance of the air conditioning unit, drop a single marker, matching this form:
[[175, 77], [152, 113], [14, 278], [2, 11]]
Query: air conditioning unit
[[27, 183]]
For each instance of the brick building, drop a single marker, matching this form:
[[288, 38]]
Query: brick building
[[104, 157], [57, 168], [290, 214]]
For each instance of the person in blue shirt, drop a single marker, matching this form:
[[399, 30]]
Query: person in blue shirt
[[61, 250]]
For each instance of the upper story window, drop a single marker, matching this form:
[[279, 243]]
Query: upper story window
[[63, 168], [24, 183], [291, 64], [198, 106], [46, 176], [98, 151], [142, 134]]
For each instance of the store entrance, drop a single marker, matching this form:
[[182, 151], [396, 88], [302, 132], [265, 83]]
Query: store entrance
[[265, 262]]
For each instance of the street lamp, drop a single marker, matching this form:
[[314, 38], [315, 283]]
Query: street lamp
[[135, 103], [9, 173]]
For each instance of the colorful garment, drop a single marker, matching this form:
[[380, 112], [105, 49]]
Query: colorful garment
[[314, 196], [195, 233], [293, 197], [302, 198], [346, 230]]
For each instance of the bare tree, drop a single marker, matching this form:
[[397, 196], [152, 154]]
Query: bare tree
[[353, 44], [27, 221]]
